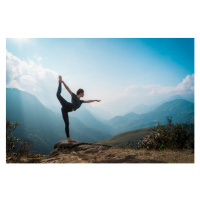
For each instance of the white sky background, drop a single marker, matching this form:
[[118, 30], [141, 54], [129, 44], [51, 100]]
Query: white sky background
[[85, 19]]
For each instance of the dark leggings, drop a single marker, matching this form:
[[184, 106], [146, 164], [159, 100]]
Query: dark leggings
[[66, 107]]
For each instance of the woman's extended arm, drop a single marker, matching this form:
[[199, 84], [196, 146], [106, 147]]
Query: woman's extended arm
[[89, 101], [67, 88]]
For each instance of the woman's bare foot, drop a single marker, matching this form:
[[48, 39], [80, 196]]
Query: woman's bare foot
[[60, 79], [70, 140]]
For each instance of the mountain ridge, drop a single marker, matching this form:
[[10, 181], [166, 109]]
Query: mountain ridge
[[181, 111], [41, 125]]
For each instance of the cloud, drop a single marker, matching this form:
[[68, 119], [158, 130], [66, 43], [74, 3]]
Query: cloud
[[31, 77], [39, 58], [185, 87]]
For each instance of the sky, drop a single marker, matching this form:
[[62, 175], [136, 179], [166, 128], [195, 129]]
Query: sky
[[134, 71]]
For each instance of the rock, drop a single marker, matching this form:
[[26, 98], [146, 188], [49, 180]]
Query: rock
[[34, 160], [68, 147]]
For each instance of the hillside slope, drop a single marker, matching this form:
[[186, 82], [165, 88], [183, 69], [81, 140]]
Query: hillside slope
[[126, 138], [89, 120], [131, 138], [41, 125]]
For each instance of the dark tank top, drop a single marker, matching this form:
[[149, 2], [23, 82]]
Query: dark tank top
[[76, 101]]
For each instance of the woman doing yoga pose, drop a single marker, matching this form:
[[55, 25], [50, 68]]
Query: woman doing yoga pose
[[69, 107]]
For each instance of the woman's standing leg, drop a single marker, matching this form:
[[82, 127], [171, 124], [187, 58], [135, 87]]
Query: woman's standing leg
[[66, 120]]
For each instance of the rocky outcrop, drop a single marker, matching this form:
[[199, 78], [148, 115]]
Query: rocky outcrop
[[81, 152], [70, 147]]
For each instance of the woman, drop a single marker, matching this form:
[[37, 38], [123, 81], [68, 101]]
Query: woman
[[69, 107]]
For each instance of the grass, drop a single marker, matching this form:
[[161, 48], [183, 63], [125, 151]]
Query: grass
[[120, 155], [123, 139], [114, 155], [165, 156]]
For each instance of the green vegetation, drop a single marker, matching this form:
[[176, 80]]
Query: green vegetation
[[170, 136], [15, 148]]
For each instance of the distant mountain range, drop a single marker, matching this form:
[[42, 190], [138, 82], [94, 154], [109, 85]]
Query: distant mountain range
[[45, 127], [140, 109], [127, 104], [88, 119], [180, 110]]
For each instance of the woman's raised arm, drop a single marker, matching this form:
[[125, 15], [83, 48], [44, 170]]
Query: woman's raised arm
[[90, 101], [67, 88]]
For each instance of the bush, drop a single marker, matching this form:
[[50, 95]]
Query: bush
[[10, 139], [169, 136], [14, 146]]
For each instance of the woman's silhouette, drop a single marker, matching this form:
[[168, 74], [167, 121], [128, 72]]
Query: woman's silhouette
[[69, 107]]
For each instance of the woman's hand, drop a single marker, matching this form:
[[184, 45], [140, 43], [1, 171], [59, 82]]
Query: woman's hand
[[98, 100]]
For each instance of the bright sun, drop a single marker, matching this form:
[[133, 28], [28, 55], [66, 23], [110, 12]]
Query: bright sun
[[21, 39]]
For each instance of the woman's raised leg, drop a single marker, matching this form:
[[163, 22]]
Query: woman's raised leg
[[63, 102], [58, 94]]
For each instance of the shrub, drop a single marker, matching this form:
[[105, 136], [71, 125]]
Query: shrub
[[14, 146], [168, 136], [10, 139]]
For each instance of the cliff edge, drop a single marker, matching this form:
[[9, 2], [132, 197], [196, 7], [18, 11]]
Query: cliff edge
[[81, 152]]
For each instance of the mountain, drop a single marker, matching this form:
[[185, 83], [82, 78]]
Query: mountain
[[89, 120], [131, 138], [98, 113], [182, 111], [118, 107], [41, 125], [125, 104], [140, 109], [174, 98], [81, 132]]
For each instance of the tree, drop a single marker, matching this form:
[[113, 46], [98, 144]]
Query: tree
[[169, 120], [10, 139], [14, 146]]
